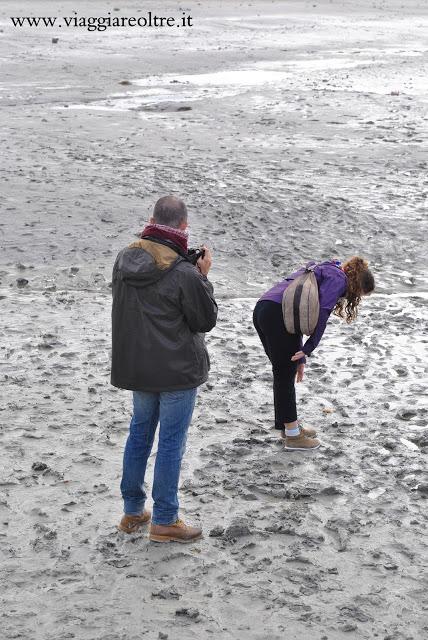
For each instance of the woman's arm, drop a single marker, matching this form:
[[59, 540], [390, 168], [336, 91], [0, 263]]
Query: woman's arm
[[313, 341], [331, 287]]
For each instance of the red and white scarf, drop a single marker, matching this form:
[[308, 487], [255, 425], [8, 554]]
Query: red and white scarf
[[162, 232]]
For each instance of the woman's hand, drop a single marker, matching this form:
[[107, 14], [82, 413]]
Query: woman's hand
[[298, 356], [300, 372]]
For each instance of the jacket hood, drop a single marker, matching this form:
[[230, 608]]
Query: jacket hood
[[144, 263]]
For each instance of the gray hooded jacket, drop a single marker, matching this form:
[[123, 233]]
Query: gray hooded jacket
[[162, 306]]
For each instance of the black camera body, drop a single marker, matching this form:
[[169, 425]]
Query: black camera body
[[193, 255]]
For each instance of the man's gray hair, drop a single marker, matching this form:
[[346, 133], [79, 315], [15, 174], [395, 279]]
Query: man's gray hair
[[170, 211]]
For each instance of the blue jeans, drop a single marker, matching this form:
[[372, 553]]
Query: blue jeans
[[173, 409]]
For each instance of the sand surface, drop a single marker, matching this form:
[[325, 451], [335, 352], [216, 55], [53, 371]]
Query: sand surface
[[294, 130]]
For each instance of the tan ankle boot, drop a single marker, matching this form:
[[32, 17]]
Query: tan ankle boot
[[301, 443], [129, 524], [177, 532], [309, 432]]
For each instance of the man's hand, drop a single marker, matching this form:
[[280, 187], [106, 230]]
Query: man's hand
[[204, 264], [300, 372], [298, 356]]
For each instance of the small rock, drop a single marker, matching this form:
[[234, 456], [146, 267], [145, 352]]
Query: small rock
[[193, 614], [162, 635], [167, 594], [125, 82], [216, 532], [39, 466], [55, 40], [21, 282]]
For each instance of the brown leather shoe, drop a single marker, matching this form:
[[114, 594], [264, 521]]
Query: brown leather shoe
[[301, 443], [308, 432], [130, 524], [177, 532]]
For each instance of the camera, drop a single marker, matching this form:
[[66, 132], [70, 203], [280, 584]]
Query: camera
[[193, 255]]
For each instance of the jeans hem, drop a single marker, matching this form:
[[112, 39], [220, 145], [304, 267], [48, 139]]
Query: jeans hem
[[133, 511], [164, 524]]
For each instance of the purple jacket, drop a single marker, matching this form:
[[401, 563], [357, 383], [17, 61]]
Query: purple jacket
[[332, 285]]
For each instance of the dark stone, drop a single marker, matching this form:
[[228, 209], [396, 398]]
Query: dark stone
[[193, 614], [39, 466], [169, 593]]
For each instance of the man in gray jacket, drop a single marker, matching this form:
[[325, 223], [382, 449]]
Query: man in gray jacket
[[162, 306]]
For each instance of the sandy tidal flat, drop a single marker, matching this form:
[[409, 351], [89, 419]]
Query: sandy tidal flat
[[294, 131]]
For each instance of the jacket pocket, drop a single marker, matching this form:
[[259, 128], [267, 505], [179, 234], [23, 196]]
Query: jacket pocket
[[200, 349], [207, 356]]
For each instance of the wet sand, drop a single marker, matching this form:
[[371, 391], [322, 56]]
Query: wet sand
[[294, 131]]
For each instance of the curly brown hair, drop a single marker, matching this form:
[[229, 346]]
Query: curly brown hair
[[360, 282]]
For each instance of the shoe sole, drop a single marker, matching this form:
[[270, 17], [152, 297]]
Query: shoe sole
[[154, 538], [314, 435], [134, 529], [302, 448]]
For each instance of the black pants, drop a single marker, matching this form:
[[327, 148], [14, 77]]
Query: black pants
[[280, 346]]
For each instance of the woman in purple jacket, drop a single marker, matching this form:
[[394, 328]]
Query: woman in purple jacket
[[340, 290]]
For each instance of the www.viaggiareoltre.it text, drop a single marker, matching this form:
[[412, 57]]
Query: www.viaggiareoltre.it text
[[101, 23]]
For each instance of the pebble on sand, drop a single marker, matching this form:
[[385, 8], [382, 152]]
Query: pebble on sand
[[193, 614], [39, 466]]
